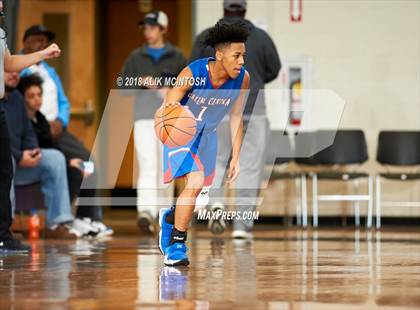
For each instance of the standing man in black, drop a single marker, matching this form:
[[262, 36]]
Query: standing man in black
[[263, 64]]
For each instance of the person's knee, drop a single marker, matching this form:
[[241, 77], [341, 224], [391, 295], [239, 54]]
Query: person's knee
[[53, 159], [196, 181]]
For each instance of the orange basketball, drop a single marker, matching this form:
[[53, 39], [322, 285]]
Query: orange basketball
[[175, 125]]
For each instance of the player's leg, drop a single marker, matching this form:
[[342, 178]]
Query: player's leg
[[167, 215], [177, 163], [176, 252], [186, 200]]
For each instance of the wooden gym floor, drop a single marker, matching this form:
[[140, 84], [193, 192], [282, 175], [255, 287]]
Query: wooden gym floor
[[280, 269]]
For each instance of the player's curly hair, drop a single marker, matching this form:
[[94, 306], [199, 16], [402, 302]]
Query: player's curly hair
[[225, 33], [29, 81]]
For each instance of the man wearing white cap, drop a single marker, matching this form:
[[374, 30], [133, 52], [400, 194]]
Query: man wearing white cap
[[157, 58]]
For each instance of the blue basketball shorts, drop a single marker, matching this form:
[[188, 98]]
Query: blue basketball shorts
[[198, 155]]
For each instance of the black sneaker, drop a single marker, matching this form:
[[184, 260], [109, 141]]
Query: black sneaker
[[11, 246]]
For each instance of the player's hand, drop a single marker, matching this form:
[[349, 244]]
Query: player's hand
[[51, 51], [234, 171]]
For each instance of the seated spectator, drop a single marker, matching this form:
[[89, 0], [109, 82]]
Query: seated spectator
[[33, 164], [31, 88], [56, 109]]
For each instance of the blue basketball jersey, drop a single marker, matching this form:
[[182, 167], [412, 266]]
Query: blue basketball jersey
[[208, 104]]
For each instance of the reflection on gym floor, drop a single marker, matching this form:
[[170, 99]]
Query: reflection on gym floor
[[278, 269]]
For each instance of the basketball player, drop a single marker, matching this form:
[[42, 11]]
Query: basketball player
[[226, 82]]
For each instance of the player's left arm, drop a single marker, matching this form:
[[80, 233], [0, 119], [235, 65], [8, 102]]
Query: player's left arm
[[236, 129]]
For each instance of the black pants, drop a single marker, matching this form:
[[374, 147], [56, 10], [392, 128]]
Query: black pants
[[73, 148], [6, 176]]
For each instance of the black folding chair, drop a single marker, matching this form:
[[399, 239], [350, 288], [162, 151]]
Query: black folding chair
[[279, 153], [397, 148], [349, 148], [304, 150]]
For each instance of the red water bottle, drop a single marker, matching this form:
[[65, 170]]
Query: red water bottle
[[33, 226]]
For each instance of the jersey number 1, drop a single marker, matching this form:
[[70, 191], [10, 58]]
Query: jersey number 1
[[200, 116]]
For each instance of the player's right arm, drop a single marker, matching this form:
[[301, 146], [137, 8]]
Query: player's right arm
[[15, 63], [175, 94]]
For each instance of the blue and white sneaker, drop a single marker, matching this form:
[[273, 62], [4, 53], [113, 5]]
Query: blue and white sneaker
[[165, 230], [176, 255]]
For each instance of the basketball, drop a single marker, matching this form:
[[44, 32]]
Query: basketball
[[175, 125]]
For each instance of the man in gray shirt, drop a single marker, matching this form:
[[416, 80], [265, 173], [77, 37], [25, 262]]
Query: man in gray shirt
[[12, 63]]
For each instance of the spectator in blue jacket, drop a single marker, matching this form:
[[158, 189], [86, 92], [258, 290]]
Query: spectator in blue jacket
[[55, 104]]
